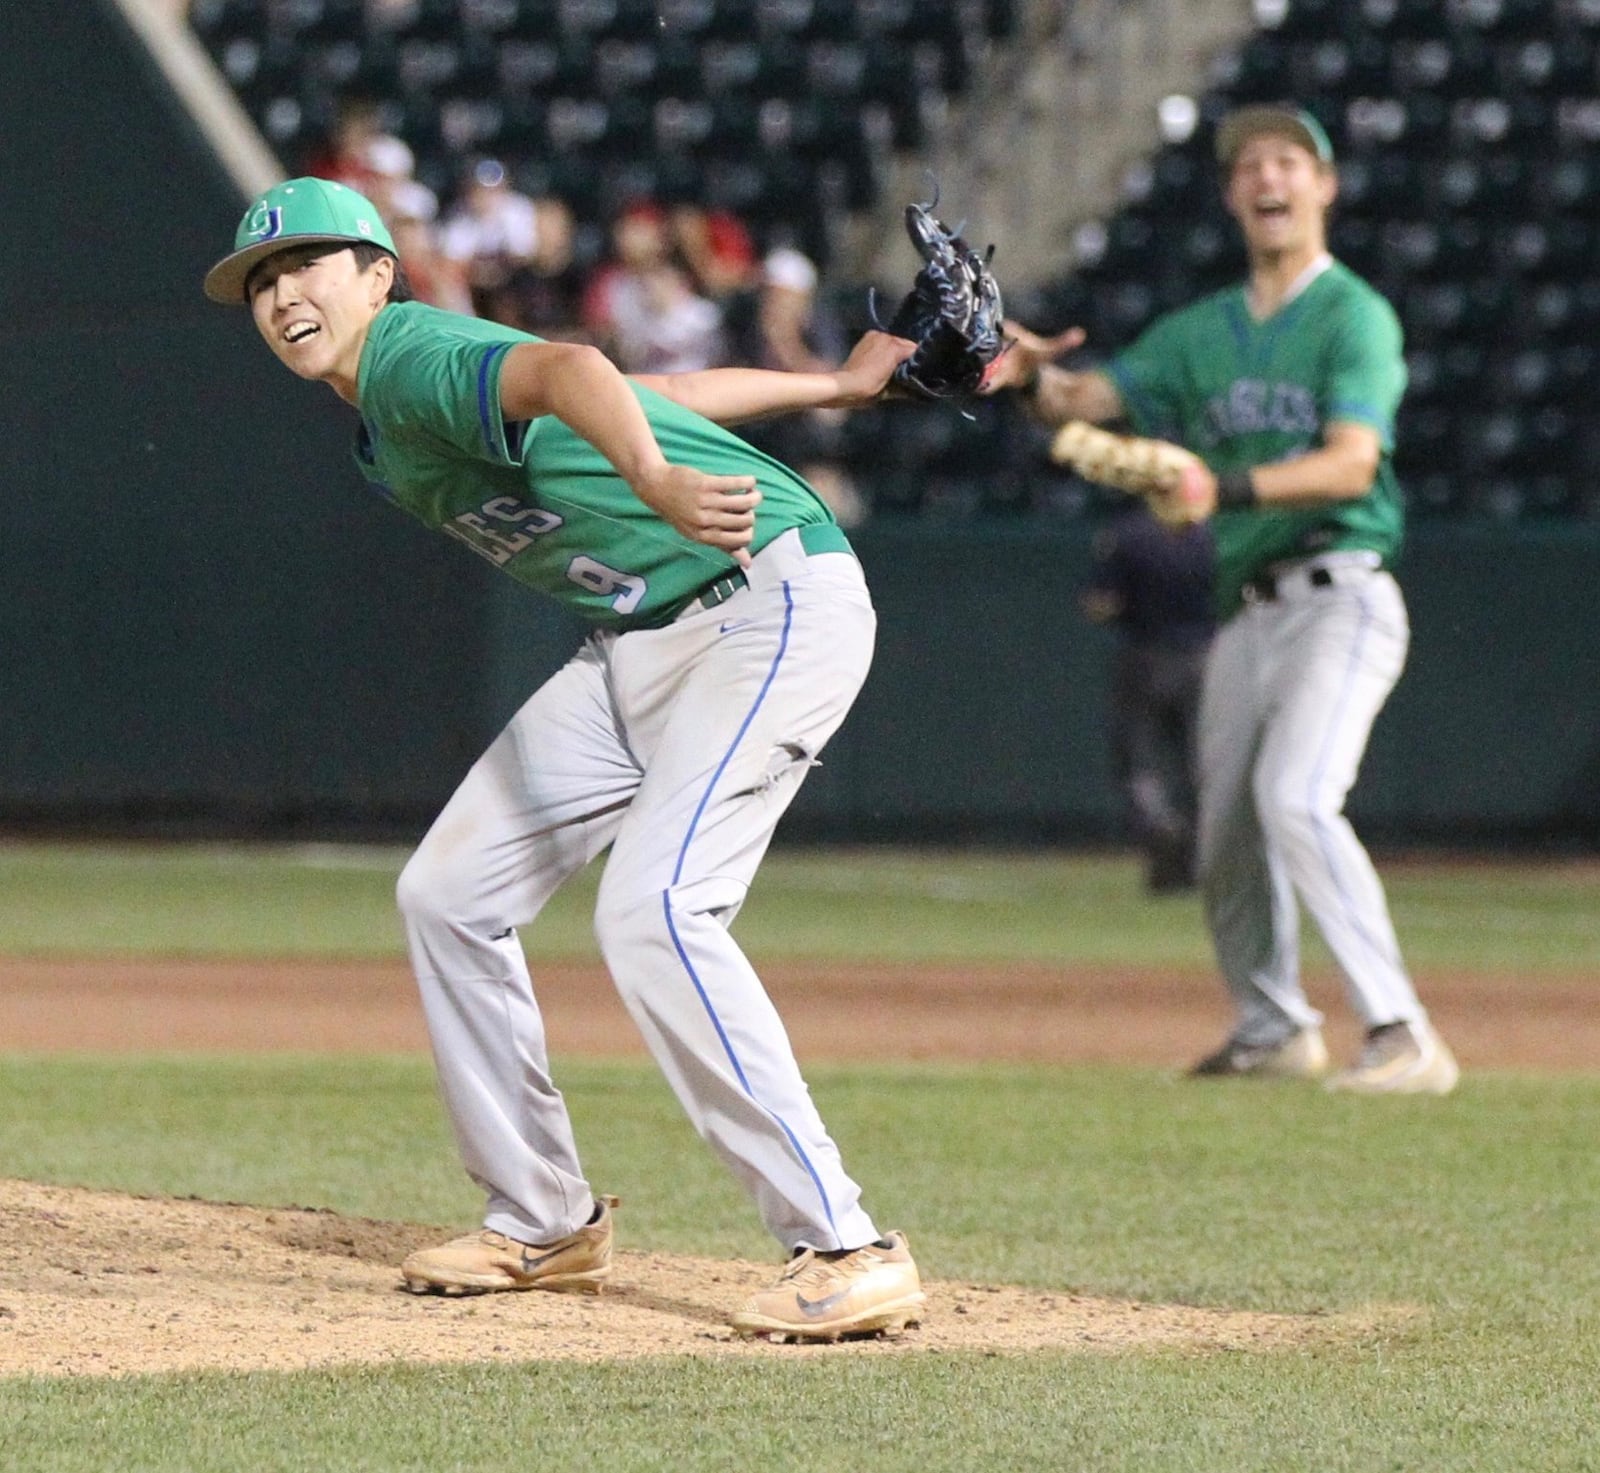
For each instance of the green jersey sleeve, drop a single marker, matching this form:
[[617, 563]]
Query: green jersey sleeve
[[444, 394], [1366, 374]]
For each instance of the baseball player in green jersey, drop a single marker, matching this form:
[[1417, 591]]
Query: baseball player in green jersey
[[731, 630], [1287, 387]]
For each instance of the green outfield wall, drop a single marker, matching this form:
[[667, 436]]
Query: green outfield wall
[[209, 622]]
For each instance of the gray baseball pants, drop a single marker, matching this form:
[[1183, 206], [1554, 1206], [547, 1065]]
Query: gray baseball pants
[[1292, 686], [680, 748]]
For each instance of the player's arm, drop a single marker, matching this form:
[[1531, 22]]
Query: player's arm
[[1055, 394], [582, 388], [1342, 468], [730, 396]]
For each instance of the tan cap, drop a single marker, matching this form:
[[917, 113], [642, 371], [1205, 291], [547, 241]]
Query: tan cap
[[1239, 127]]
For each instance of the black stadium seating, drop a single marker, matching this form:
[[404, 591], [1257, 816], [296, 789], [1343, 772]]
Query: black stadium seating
[[585, 80], [1468, 136]]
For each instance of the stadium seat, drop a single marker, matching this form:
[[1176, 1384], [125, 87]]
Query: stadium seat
[[332, 20], [1335, 64], [1395, 20], [1488, 185], [1554, 65], [622, 181], [1297, 19], [677, 72], [218, 21], [679, 124], [1523, 377], [731, 19], [1463, 369], [624, 65], [537, 20], [1380, 181], [491, 18], [1428, 250], [1180, 179], [1258, 71], [592, 18], [729, 66], [1538, 251], [1504, 18], [1354, 239], [1574, 372], [427, 64], [885, 17], [1457, 66], [1567, 182]]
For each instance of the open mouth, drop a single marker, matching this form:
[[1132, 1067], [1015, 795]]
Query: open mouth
[[300, 332], [1271, 209]]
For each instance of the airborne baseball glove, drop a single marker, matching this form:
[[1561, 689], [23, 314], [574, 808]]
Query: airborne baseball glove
[[952, 312], [1165, 475]]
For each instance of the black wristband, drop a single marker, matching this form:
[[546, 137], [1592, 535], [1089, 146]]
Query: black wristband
[[1235, 490]]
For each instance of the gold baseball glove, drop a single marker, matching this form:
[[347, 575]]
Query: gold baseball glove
[[1170, 478]]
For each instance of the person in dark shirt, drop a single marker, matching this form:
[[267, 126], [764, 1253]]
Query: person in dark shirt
[[1152, 584]]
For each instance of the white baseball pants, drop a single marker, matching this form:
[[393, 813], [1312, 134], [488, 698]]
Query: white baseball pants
[[680, 748], [1292, 687]]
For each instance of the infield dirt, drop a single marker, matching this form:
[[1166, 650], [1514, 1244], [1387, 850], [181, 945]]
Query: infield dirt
[[100, 1284]]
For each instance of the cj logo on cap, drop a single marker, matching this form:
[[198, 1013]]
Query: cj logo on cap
[[265, 223]]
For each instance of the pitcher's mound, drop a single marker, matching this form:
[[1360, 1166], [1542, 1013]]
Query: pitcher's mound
[[97, 1283]]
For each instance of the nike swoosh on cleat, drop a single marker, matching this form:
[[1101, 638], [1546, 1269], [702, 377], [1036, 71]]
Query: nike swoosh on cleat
[[529, 1265], [816, 1307], [728, 626]]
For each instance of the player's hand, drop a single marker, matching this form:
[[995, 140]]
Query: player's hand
[[1192, 500], [865, 374], [717, 511], [1025, 354]]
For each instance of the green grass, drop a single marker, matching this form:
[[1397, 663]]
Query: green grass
[[323, 900], [1478, 1210]]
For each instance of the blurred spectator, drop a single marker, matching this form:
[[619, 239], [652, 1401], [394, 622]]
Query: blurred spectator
[[785, 325], [345, 155], [435, 278], [792, 331], [392, 185], [715, 248], [516, 251], [660, 324], [642, 306], [1152, 584], [639, 242]]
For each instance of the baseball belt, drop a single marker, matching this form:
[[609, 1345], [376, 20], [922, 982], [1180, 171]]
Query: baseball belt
[[816, 538], [1323, 572]]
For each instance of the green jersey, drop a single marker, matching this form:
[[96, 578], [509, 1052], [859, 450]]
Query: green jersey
[[1241, 393], [534, 498]]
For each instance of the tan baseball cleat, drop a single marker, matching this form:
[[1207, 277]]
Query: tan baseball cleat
[[874, 1290], [1401, 1059], [1301, 1055], [485, 1262]]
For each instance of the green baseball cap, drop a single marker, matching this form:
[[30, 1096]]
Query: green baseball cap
[[1239, 127], [295, 213]]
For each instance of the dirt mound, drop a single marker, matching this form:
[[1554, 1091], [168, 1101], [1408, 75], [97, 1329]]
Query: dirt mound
[[96, 1283]]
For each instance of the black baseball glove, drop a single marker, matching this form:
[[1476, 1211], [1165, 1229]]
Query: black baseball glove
[[952, 312]]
